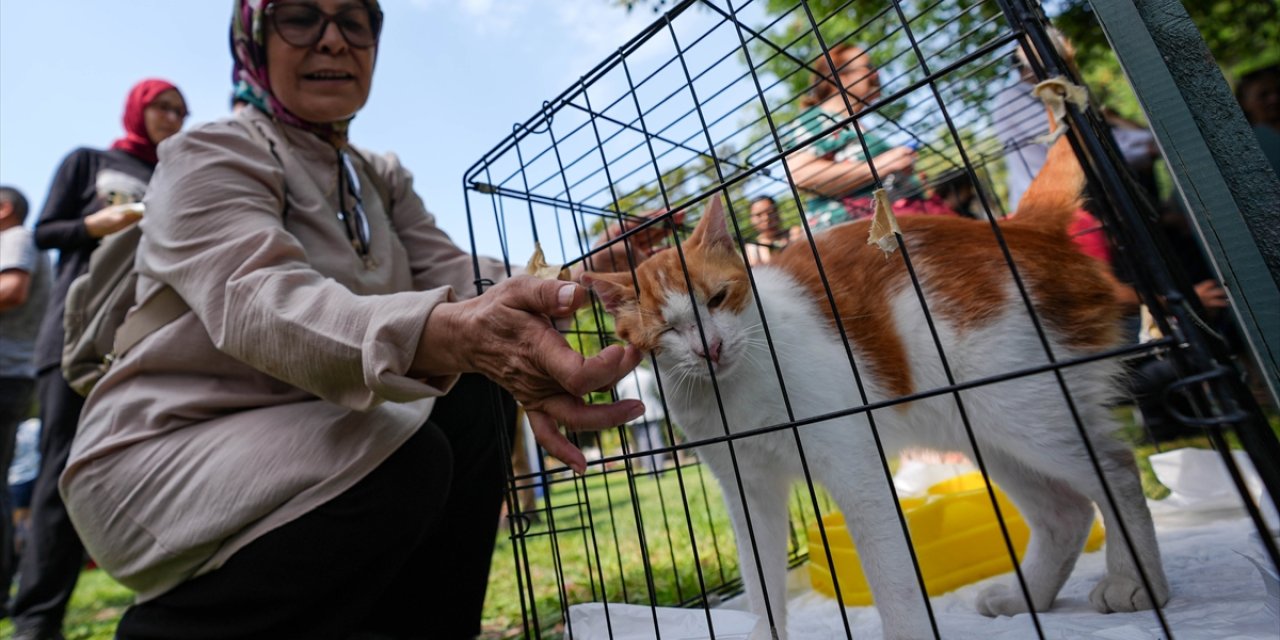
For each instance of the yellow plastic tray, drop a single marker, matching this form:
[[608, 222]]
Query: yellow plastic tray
[[956, 535]]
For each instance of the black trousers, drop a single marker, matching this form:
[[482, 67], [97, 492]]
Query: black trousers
[[404, 553], [15, 403], [1148, 380], [54, 555]]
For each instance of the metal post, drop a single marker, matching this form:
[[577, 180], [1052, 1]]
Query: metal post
[[1230, 191]]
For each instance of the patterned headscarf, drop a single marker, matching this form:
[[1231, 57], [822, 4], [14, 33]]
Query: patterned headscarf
[[136, 142], [249, 48]]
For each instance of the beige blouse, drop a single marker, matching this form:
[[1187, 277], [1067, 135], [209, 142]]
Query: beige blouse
[[285, 384]]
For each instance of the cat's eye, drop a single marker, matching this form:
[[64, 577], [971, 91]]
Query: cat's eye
[[716, 300]]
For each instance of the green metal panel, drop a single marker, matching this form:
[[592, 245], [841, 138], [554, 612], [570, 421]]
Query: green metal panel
[[1231, 192]]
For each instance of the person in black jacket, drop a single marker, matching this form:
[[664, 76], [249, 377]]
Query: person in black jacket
[[88, 200]]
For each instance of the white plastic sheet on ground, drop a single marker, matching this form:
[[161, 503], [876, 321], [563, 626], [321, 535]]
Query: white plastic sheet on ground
[[635, 622], [1223, 584], [1201, 488]]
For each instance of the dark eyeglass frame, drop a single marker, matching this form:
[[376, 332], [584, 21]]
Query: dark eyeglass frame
[[356, 222], [180, 112], [375, 25]]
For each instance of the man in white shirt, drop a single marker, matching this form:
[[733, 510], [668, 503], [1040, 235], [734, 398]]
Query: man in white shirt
[[24, 294]]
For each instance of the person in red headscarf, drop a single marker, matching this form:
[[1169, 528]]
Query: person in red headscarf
[[94, 193]]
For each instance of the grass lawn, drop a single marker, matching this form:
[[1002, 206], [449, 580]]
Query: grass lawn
[[94, 611], [595, 551]]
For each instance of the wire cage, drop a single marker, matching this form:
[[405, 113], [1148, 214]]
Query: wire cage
[[714, 100]]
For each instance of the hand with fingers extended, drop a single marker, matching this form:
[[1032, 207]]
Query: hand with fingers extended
[[109, 220], [507, 335]]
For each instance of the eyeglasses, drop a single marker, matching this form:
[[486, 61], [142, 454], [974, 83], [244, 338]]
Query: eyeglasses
[[355, 222], [302, 25], [176, 110]]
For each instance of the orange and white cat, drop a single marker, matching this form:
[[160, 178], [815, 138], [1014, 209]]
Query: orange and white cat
[[719, 375]]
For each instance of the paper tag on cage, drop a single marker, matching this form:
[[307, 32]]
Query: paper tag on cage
[[884, 226], [539, 268], [1056, 93]]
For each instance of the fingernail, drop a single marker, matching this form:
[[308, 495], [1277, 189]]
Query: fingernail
[[635, 412], [565, 296]]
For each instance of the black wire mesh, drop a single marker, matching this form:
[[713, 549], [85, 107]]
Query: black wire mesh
[[710, 102]]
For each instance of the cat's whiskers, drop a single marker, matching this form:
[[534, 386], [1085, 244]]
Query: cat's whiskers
[[778, 343], [694, 373], [750, 357], [683, 375], [756, 336]]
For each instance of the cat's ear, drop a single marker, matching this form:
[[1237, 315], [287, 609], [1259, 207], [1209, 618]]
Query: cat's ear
[[615, 290], [711, 230]]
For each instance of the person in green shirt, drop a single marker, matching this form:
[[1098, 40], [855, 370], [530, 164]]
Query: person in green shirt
[[833, 169]]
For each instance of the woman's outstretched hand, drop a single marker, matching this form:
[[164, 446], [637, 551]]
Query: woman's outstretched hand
[[109, 220], [507, 335]]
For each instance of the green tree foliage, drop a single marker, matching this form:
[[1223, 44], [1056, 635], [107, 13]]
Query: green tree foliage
[[676, 185], [944, 31], [656, 6], [1240, 35], [874, 25]]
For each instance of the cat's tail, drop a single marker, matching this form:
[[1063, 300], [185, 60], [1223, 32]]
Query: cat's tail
[[1054, 196]]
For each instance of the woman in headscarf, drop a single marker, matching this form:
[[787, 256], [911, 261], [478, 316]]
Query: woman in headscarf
[[89, 199], [298, 456]]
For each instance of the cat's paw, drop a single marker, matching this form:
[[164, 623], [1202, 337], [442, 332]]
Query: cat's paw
[[1001, 600], [1124, 594]]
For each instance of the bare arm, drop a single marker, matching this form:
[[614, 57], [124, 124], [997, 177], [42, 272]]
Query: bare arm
[[15, 284], [833, 179]]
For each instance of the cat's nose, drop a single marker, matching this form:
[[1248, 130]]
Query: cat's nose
[[713, 350]]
